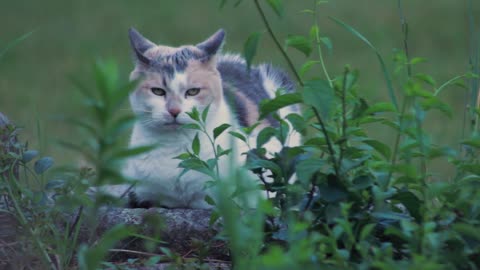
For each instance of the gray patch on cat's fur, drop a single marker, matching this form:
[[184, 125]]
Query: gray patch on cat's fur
[[236, 77], [177, 62]]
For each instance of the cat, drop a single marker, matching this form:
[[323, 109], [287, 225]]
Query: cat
[[171, 82]]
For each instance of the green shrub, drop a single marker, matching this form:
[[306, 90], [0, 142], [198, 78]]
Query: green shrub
[[359, 202]]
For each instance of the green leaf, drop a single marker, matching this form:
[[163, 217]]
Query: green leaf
[[350, 164], [362, 182], [250, 47], [152, 261], [196, 145], [468, 231], [380, 147], [366, 231], [197, 165], [449, 82], [474, 142], [219, 130], [213, 218], [29, 155], [425, 78], [319, 95], [380, 107], [248, 130], [262, 163], [277, 6], [298, 123], [307, 168], [435, 103], [300, 43], [265, 135], [134, 151], [91, 258], [328, 43], [43, 164], [417, 60], [205, 113], [192, 126], [194, 114], [238, 135], [332, 194], [54, 184], [307, 66], [273, 105], [209, 200], [222, 152], [411, 202], [390, 215], [183, 156]]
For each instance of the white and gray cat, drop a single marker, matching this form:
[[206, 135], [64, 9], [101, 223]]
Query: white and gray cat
[[174, 80]]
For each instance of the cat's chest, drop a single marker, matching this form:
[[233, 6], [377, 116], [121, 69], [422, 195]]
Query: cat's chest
[[162, 162]]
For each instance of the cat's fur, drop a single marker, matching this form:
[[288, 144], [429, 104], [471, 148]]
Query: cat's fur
[[225, 84]]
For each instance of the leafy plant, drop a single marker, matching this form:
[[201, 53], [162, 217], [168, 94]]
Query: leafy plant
[[359, 202]]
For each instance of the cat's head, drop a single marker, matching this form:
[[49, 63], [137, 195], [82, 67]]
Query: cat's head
[[174, 80]]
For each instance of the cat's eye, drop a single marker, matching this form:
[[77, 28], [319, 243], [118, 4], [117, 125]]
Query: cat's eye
[[192, 91], [158, 91]]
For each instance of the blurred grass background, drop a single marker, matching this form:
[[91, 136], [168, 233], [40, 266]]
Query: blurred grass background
[[70, 35]]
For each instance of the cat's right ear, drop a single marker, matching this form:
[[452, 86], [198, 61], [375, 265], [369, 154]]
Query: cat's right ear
[[213, 44], [140, 45]]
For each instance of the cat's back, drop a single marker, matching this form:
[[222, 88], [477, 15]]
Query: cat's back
[[244, 89]]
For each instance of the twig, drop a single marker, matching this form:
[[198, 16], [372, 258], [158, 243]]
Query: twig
[[311, 193], [267, 185], [277, 43], [133, 252], [328, 141], [164, 260], [77, 219]]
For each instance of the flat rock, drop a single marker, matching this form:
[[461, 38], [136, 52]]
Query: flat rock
[[186, 232]]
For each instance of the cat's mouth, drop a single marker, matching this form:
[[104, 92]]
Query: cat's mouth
[[173, 124]]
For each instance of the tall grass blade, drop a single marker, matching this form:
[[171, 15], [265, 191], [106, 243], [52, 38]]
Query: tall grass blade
[[386, 75], [14, 43]]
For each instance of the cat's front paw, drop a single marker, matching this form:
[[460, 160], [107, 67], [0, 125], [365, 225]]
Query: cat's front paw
[[135, 202]]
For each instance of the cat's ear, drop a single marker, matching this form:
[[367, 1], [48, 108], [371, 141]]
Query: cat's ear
[[212, 45], [140, 45]]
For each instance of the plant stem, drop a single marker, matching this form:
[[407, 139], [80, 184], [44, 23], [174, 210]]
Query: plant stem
[[393, 162], [404, 25], [319, 47], [474, 60], [336, 166], [344, 114], [311, 193], [418, 121], [277, 43]]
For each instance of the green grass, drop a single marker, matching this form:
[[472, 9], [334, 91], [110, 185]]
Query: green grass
[[70, 35]]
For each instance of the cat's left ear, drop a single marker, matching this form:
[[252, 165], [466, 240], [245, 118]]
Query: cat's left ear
[[140, 45], [213, 44]]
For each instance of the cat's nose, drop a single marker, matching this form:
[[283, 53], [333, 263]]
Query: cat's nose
[[174, 112]]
